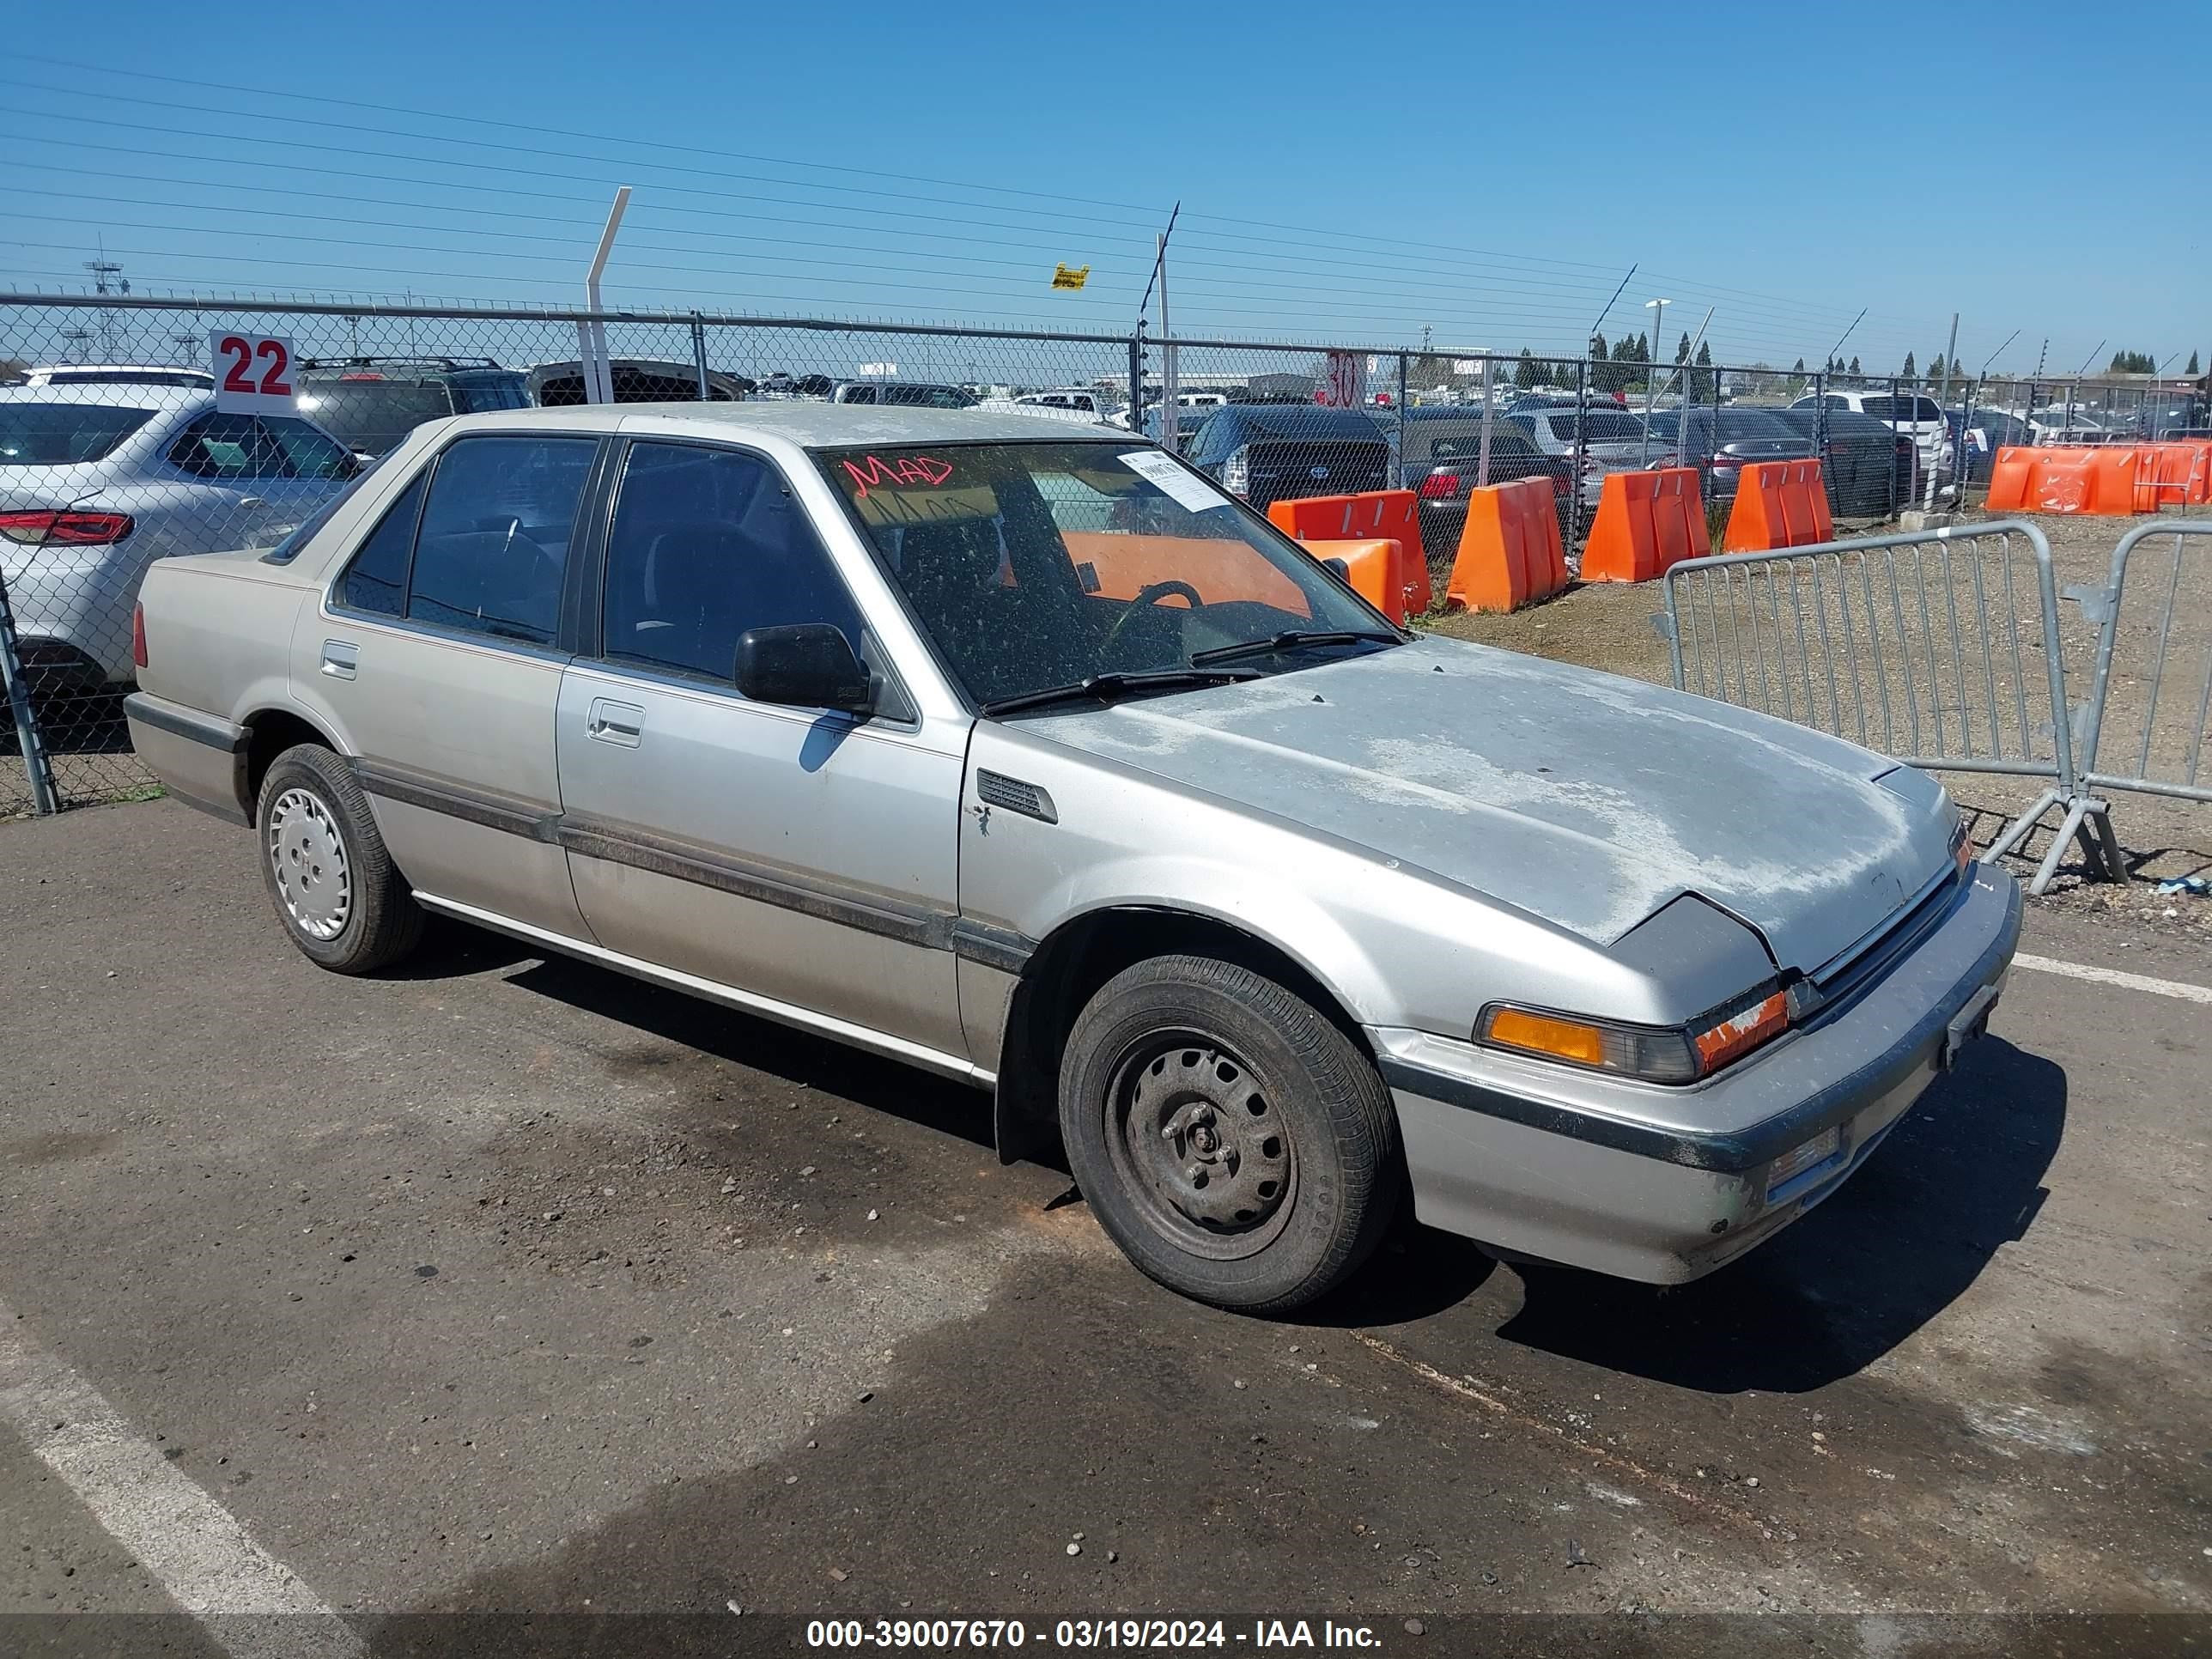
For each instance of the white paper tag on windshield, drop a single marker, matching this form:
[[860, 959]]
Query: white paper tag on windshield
[[1177, 485]]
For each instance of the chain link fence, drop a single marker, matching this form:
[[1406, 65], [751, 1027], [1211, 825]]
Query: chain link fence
[[113, 452]]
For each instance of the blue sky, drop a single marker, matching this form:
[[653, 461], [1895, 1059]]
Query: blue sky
[[1348, 173]]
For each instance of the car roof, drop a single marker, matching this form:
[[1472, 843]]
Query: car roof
[[139, 394], [808, 424]]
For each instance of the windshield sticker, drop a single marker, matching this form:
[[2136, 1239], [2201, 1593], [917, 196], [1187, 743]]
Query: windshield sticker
[[1185, 491], [905, 469]]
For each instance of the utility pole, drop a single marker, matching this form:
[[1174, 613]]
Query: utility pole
[[102, 269]]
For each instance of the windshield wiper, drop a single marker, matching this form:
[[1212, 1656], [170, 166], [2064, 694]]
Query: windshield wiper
[[1099, 688], [1292, 641]]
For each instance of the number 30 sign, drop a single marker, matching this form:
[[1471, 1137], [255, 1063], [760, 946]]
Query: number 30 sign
[[252, 373]]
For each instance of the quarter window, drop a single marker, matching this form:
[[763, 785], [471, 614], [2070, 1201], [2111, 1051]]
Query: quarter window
[[376, 579], [495, 538], [705, 544]]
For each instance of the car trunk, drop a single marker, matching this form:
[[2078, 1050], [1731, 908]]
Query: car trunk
[[1288, 468]]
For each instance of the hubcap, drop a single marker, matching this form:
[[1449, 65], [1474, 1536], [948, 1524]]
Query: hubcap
[[1197, 1131], [309, 858]]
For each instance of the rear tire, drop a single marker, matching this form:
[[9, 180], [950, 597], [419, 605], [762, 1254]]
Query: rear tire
[[1236, 1144], [324, 864]]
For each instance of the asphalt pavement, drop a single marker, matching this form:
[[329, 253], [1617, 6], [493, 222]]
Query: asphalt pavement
[[337, 1314]]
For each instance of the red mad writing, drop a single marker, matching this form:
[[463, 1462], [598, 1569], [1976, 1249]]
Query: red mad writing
[[877, 470]]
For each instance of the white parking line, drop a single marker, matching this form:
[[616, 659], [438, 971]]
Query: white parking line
[[251, 1602], [2157, 988]]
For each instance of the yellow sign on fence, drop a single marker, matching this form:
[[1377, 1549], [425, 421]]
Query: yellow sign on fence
[[1063, 277]]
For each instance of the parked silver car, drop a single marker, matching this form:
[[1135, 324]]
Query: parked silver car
[[98, 480], [1025, 754]]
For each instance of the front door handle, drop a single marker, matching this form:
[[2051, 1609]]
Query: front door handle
[[251, 501], [341, 658], [609, 721]]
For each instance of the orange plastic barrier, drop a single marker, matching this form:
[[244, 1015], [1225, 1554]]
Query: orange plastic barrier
[[1377, 568], [1369, 515], [2176, 473], [1508, 550], [1646, 523], [2099, 479], [1778, 504], [1118, 567]]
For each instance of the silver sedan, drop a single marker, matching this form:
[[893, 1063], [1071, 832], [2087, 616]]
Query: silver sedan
[[1027, 755]]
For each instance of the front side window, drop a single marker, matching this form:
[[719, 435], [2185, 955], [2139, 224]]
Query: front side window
[[308, 452], [705, 544], [228, 446], [495, 538], [1036, 566]]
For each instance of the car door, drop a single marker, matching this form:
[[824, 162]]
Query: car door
[[236, 477], [804, 857], [437, 654]]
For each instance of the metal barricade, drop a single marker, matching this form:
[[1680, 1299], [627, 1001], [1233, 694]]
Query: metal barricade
[[2158, 750], [1940, 647]]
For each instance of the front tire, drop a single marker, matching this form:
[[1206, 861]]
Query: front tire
[[324, 864], [1236, 1144]]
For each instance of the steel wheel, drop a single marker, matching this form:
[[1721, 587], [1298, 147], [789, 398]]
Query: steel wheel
[[314, 882], [1195, 1132]]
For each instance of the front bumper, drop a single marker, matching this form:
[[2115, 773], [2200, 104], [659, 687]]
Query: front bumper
[[1663, 1185]]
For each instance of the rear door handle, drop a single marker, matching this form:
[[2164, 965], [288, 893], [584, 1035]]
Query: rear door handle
[[609, 721], [341, 658], [251, 501]]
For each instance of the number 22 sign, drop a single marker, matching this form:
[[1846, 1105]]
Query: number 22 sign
[[252, 373]]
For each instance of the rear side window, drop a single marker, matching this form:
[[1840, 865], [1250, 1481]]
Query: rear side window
[[228, 446], [1926, 409], [495, 537], [376, 581], [61, 434]]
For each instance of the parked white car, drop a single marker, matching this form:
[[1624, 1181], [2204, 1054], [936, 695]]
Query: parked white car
[[1070, 403], [116, 375], [1915, 415], [98, 481]]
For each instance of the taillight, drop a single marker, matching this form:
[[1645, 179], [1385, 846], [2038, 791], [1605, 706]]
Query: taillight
[[138, 635], [1440, 486], [64, 528], [1236, 470]]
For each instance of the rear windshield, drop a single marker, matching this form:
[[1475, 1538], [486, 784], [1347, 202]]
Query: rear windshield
[[61, 435], [369, 411], [1600, 425], [478, 397]]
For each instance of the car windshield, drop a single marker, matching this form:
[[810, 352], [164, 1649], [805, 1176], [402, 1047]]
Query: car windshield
[[1036, 566], [61, 434]]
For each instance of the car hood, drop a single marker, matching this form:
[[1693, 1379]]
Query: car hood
[[1581, 798]]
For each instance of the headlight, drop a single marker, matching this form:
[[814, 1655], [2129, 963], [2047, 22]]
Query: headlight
[[1660, 1054]]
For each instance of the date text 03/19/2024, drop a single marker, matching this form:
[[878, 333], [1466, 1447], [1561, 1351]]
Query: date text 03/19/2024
[[945, 1635]]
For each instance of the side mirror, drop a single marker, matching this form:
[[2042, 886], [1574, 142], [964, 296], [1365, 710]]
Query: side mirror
[[803, 666]]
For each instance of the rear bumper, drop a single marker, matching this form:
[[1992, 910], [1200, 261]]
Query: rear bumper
[[1665, 1185], [201, 760], [78, 598]]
